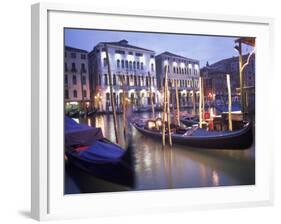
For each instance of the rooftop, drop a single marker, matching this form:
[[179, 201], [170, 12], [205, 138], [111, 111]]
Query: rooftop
[[124, 43], [68, 48], [175, 55]]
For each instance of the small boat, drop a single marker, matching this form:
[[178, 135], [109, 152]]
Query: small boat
[[202, 138], [88, 150], [92, 112], [224, 108], [73, 113], [189, 121]]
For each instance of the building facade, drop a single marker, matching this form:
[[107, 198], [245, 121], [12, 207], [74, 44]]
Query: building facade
[[76, 78], [184, 71], [133, 73], [215, 80]]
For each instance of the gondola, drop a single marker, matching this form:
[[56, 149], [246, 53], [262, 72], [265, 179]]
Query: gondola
[[88, 150], [201, 138], [189, 121]]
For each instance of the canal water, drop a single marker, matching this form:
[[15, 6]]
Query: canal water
[[177, 167]]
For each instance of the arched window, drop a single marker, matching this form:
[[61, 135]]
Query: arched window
[[122, 63], [74, 93], [84, 93], [130, 65], [152, 67], [65, 67], [139, 81], [104, 62], [74, 80], [126, 64], [177, 70], [141, 65], [66, 95], [134, 65], [73, 67], [138, 65], [174, 69], [146, 81], [128, 80], [118, 63], [135, 80]]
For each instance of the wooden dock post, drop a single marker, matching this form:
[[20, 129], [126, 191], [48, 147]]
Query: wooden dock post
[[178, 103], [151, 98], [164, 110], [229, 102], [111, 96], [200, 102]]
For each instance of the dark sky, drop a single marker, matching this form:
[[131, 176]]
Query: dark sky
[[202, 48]]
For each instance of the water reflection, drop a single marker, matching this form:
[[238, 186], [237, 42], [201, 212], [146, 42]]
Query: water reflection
[[180, 166]]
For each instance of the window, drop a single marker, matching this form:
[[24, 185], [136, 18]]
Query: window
[[130, 53], [126, 63], [151, 56], [66, 95], [105, 80], [74, 93], [174, 69], [141, 65], [139, 54], [84, 93], [128, 80], [118, 63], [83, 80], [135, 80], [119, 52], [65, 67], [74, 80], [73, 55], [83, 68], [138, 65], [146, 81], [122, 63], [73, 67], [134, 65], [65, 79], [130, 65], [104, 62], [83, 56], [152, 67]]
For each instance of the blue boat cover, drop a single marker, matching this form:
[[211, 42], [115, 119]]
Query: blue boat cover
[[80, 134], [102, 151]]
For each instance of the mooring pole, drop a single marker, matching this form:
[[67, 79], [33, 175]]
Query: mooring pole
[[178, 103], [111, 95], [200, 102], [229, 102]]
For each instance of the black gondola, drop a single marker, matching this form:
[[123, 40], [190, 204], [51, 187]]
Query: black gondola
[[88, 150], [189, 121], [201, 138]]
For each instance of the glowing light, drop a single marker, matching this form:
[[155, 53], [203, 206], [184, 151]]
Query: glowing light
[[103, 54]]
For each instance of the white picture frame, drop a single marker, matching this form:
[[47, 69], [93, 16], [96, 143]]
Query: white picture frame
[[48, 200]]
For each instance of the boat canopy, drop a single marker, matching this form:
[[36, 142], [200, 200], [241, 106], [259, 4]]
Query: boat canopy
[[79, 134]]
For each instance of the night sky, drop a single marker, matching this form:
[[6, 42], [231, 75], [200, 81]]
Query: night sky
[[202, 48]]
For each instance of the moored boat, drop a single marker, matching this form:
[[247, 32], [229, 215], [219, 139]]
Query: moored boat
[[88, 150], [202, 138]]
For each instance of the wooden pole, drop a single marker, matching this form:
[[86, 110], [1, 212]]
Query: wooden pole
[[229, 102], [203, 100], [178, 103], [193, 96], [241, 77], [164, 107], [82, 93], [200, 103], [124, 107], [151, 98], [111, 96], [168, 115]]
